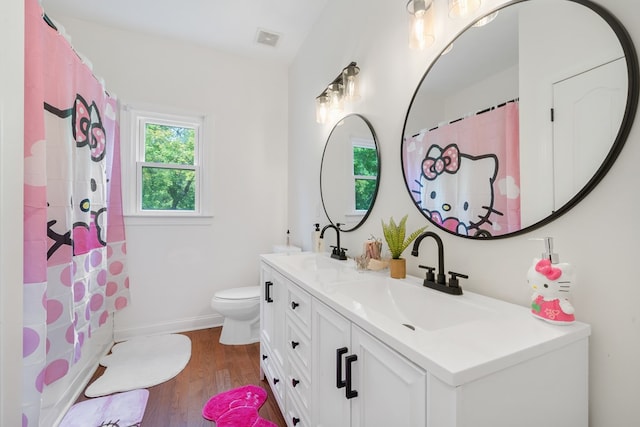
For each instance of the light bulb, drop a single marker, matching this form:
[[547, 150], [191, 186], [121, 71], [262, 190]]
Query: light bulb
[[350, 80], [421, 30], [462, 8], [322, 108], [484, 21]]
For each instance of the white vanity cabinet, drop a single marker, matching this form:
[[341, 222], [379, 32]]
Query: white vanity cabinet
[[285, 344], [347, 349], [358, 381]]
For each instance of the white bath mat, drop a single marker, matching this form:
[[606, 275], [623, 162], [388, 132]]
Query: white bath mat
[[140, 363]]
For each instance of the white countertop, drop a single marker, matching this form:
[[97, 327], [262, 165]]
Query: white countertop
[[456, 338]]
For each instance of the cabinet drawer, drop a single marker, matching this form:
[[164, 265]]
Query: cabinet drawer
[[298, 348], [275, 379], [294, 415], [299, 307], [299, 385]]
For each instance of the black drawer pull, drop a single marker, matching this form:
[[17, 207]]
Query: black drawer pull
[[294, 305], [264, 357], [294, 344], [275, 381], [295, 420], [294, 382], [339, 381], [267, 291], [350, 393]]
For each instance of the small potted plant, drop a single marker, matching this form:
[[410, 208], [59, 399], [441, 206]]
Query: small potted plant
[[395, 234]]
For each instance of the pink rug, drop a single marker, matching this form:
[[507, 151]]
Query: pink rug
[[120, 409], [237, 408]]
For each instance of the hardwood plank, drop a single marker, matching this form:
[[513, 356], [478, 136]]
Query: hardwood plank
[[212, 369]]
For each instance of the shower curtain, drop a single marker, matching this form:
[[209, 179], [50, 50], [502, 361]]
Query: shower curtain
[[492, 133], [75, 272]]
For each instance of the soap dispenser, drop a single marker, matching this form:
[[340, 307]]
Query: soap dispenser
[[317, 242], [551, 282]]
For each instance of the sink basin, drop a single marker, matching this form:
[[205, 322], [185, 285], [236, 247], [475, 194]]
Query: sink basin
[[320, 267], [411, 304]]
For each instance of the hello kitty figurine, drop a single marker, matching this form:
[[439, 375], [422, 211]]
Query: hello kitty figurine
[[551, 284]]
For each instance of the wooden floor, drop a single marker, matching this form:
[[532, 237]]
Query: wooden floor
[[213, 368]]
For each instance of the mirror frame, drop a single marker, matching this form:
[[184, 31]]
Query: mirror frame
[[375, 192], [631, 106]]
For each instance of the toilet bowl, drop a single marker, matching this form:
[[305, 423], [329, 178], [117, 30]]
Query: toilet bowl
[[241, 310]]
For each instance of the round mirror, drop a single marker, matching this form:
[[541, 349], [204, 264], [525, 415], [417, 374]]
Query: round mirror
[[521, 118], [350, 172]]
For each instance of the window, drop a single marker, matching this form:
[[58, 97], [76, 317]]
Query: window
[[365, 172], [167, 152]]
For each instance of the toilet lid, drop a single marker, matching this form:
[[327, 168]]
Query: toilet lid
[[245, 292]]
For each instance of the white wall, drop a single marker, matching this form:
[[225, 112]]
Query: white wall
[[175, 267], [600, 236], [11, 171]]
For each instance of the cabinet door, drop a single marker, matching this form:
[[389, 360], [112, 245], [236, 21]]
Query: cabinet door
[[266, 307], [391, 390], [330, 332], [273, 308]]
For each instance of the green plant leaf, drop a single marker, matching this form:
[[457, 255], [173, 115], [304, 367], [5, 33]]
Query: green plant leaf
[[395, 234]]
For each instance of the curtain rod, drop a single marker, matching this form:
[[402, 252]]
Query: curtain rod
[[502, 104], [49, 21]]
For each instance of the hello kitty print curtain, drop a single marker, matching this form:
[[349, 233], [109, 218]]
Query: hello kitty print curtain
[[75, 272], [465, 175]]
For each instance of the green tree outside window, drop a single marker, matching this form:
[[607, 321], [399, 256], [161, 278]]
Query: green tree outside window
[[168, 171], [365, 172]]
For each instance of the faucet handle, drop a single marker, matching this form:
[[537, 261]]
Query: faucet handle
[[430, 276], [453, 280]]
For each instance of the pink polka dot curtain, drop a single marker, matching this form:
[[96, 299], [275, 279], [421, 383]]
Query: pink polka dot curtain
[[75, 273]]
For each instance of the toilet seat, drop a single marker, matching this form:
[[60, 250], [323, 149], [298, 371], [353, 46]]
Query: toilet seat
[[242, 293]]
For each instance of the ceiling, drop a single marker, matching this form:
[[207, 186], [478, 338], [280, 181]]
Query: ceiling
[[228, 25]]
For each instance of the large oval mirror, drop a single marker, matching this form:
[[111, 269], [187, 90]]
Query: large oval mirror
[[521, 118], [350, 172]]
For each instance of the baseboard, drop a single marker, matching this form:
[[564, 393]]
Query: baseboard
[[53, 415], [176, 326]]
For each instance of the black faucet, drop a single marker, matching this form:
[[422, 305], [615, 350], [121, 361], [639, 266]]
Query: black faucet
[[337, 252], [439, 283]]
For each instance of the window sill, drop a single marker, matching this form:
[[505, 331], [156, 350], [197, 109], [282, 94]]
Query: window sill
[[160, 219]]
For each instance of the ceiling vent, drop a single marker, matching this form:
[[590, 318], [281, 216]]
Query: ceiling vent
[[267, 38]]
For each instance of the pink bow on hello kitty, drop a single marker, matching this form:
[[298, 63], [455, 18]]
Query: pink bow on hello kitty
[[448, 161], [545, 268]]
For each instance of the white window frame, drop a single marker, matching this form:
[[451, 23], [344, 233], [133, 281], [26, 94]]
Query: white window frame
[[134, 120]]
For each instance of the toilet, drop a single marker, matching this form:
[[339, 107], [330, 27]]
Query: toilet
[[241, 310]]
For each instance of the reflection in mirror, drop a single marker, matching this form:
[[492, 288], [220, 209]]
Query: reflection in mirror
[[521, 119], [350, 172]]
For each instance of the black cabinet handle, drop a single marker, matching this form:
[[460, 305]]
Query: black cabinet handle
[[275, 381], [294, 305], [294, 382], [339, 381], [267, 291], [294, 344], [295, 420], [350, 393], [264, 357]]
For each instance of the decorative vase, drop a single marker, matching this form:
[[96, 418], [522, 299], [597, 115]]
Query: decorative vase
[[398, 268]]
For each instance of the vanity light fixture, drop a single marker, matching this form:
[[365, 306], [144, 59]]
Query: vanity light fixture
[[345, 87], [421, 33], [462, 8]]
